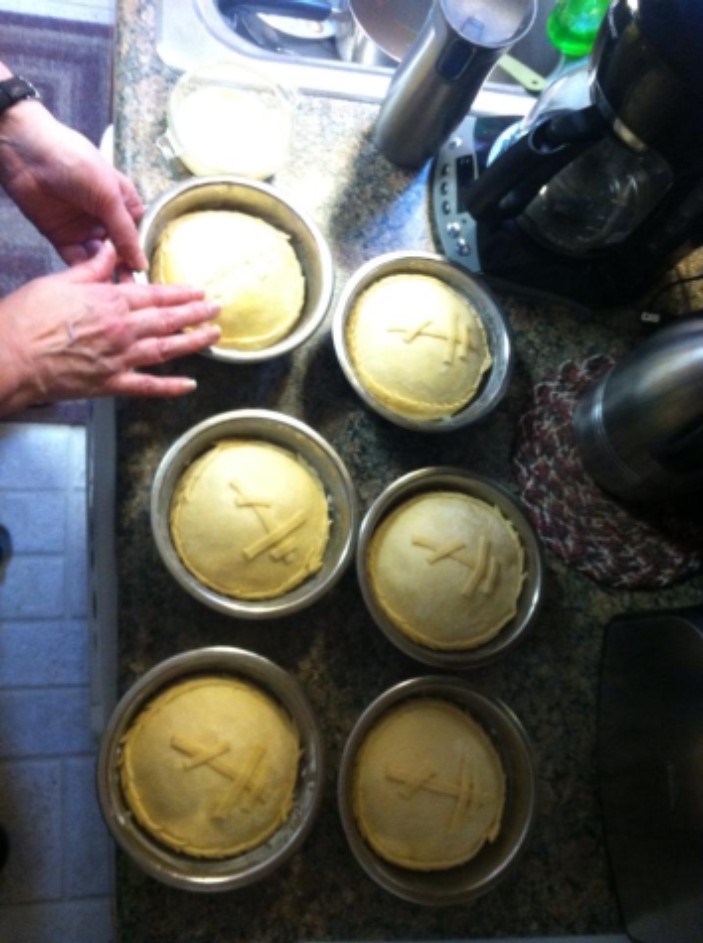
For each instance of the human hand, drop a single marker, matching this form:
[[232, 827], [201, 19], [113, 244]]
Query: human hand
[[75, 334], [66, 188]]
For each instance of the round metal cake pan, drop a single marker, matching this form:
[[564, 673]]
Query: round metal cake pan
[[495, 860], [226, 192], [455, 479], [493, 385], [200, 874], [296, 437]]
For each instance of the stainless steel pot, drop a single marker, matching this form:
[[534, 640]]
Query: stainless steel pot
[[640, 427], [375, 34], [367, 32]]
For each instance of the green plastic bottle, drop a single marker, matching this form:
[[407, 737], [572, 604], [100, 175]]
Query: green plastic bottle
[[573, 24]]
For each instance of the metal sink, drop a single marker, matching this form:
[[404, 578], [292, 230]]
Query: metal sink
[[192, 32]]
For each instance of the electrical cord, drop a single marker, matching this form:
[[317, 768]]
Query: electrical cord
[[651, 318]]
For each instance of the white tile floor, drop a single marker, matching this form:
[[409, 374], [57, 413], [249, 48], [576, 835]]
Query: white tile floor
[[57, 886]]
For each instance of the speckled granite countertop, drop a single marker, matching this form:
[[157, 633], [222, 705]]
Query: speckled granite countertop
[[364, 207]]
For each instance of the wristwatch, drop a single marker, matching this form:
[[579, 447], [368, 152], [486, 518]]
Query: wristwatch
[[15, 89]]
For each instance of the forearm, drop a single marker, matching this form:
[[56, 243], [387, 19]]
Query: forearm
[[23, 132], [12, 108]]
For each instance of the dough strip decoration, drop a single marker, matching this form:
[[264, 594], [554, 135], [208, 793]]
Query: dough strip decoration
[[425, 779], [483, 570], [245, 788], [274, 541], [457, 342]]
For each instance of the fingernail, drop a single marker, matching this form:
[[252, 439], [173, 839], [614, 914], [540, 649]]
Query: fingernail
[[190, 384], [213, 308]]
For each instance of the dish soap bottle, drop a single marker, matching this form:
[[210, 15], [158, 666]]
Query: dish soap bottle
[[573, 24]]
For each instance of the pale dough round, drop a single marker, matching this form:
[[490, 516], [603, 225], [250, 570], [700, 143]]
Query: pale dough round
[[250, 519], [447, 569], [418, 345], [428, 786], [209, 767], [242, 262]]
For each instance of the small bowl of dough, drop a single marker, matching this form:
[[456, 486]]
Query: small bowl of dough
[[436, 791], [251, 250], [227, 118], [210, 771], [422, 342], [449, 567], [254, 514]]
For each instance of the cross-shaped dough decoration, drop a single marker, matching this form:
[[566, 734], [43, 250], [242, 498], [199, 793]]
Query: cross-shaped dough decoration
[[245, 786], [425, 779], [483, 568], [277, 540], [457, 340]]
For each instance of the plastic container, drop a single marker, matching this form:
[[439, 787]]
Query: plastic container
[[225, 118]]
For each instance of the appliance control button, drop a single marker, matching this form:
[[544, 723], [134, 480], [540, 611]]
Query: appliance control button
[[462, 247], [454, 229]]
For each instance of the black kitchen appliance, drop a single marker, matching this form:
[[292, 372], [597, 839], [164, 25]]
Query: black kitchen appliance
[[650, 771], [600, 186]]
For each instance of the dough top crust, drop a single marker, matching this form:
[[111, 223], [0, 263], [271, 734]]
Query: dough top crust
[[242, 262], [249, 519], [209, 767], [418, 345], [447, 569], [428, 786]]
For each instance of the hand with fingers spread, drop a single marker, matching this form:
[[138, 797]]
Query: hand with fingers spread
[[77, 334]]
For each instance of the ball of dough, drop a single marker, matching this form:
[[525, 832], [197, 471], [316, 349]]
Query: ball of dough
[[447, 569], [209, 767], [250, 519], [418, 345], [428, 786], [242, 262]]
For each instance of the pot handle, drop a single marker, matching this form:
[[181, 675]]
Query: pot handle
[[303, 9], [507, 185]]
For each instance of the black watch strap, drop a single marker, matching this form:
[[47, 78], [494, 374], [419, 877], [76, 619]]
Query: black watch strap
[[15, 89]]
